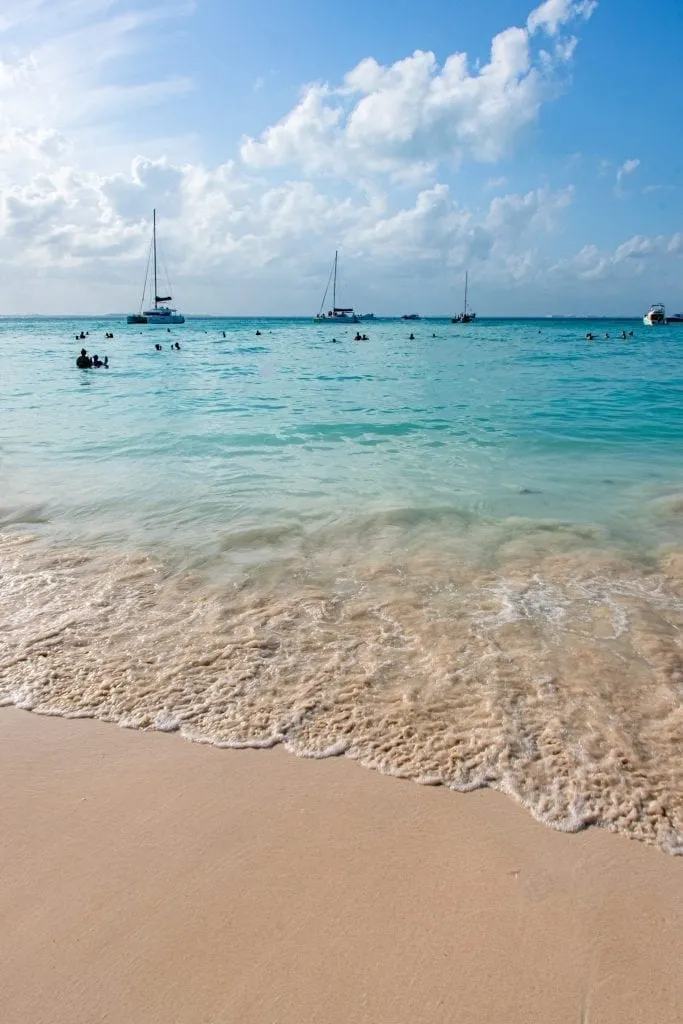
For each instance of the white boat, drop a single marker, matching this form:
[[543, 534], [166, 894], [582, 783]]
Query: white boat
[[338, 314], [159, 314], [465, 317], [655, 315]]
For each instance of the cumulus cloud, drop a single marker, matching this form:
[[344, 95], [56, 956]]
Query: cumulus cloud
[[632, 259], [407, 117], [240, 240]]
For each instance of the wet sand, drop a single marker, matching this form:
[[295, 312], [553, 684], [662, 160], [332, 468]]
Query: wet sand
[[145, 878]]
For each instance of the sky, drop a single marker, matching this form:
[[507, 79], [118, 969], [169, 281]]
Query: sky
[[537, 147]]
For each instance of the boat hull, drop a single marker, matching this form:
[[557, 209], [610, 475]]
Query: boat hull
[[165, 321], [336, 320]]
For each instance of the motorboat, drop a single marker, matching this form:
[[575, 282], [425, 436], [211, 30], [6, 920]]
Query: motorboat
[[655, 315]]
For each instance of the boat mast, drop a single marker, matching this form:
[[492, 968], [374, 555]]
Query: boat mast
[[334, 285], [154, 236], [466, 275]]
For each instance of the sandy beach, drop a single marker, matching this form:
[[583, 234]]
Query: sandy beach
[[145, 878]]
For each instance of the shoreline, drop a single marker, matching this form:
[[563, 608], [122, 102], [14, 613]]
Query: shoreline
[[149, 879]]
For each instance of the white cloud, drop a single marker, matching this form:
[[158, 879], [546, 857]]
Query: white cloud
[[635, 258], [409, 116], [554, 14], [649, 189], [628, 167], [78, 69]]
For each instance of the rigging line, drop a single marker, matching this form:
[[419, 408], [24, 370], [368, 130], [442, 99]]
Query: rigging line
[[144, 287], [329, 281], [163, 262]]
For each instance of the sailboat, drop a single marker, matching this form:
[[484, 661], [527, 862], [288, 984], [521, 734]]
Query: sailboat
[[160, 315], [338, 314], [464, 317]]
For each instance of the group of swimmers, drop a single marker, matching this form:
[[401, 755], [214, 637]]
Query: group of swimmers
[[86, 362], [594, 337], [359, 337], [175, 345]]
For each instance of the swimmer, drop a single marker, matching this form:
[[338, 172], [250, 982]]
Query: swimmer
[[589, 337], [176, 346], [358, 337], [96, 361], [258, 334], [411, 338], [105, 364], [606, 334], [158, 347], [223, 333], [364, 337], [84, 362]]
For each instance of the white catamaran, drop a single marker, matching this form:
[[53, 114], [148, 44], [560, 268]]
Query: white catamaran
[[158, 314], [338, 314]]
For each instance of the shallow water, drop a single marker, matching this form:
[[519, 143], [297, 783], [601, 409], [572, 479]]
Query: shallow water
[[457, 559]]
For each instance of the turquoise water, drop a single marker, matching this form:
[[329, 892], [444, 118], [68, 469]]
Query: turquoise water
[[284, 434], [457, 559]]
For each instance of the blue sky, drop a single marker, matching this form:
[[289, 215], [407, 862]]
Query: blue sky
[[537, 146]]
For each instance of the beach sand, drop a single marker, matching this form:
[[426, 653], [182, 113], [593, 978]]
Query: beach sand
[[145, 879]]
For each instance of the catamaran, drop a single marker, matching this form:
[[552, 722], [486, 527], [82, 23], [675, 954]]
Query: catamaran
[[464, 317], [338, 314], [159, 314]]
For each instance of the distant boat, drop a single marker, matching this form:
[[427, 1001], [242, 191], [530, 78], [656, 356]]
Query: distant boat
[[338, 314], [677, 318], [159, 314], [655, 315], [465, 317], [365, 316], [411, 316]]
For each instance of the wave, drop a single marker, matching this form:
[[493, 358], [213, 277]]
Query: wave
[[557, 678]]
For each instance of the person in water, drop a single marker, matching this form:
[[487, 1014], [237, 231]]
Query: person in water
[[258, 334], [158, 347], [96, 361], [177, 346], [358, 337], [411, 338], [589, 337], [84, 362]]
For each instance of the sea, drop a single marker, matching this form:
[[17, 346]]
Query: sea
[[457, 558]]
